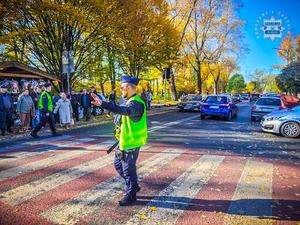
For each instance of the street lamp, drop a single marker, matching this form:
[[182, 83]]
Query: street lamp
[[68, 66]]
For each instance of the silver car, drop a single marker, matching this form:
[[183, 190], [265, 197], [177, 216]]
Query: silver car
[[285, 122], [264, 106]]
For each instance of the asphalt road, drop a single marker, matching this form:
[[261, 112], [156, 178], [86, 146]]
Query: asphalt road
[[192, 171]]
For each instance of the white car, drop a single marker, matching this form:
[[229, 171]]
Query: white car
[[284, 122]]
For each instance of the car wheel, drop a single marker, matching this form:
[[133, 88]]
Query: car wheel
[[180, 110], [202, 117], [229, 117], [290, 129]]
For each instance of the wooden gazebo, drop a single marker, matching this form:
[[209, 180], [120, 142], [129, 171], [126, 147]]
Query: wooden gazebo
[[14, 69]]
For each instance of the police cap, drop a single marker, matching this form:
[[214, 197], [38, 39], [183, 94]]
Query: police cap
[[129, 79]]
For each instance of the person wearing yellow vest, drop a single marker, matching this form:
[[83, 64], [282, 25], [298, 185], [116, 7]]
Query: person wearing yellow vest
[[46, 106], [132, 135]]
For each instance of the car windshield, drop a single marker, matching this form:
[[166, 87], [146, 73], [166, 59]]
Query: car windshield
[[269, 101], [216, 99], [192, 98]]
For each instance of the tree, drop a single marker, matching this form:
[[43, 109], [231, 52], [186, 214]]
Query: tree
[[289, 50], [289, 79], [212, 33], [236, 83]]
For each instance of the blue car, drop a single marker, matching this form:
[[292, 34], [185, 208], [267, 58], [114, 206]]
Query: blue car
[[218, 105]]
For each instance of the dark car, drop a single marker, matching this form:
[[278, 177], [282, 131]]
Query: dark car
[[190, 102], [254, 97], [221, 106], [236, 98]]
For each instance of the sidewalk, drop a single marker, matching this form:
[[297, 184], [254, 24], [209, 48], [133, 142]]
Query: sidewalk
[[93, 122]]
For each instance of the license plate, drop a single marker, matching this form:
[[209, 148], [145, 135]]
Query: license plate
[[214, 107], [266, 109]]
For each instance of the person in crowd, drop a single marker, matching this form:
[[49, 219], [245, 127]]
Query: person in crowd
[[64, 109], [149, 99], [46, 107], [35, 98], [75, 105], [85, 102], [25, 109], [55, 100], [112, 97], [6, 109], [144, 96]]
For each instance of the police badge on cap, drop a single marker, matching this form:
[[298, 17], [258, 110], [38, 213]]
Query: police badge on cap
[[129, 79]]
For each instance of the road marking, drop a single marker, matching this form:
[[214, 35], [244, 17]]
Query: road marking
[[35, 188], [89, 201], [171, 123], [171, 202], [18, 147], [252, 199], [15, 171], [38, 151]]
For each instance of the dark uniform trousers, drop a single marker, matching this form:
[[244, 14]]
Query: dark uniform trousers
[[44, 120], [126, 167], [5, 120]]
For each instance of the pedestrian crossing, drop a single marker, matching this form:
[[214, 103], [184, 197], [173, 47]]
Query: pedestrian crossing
[[71, 180]]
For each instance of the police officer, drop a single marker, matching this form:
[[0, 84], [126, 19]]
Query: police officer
[[132, 135], [46, 107]]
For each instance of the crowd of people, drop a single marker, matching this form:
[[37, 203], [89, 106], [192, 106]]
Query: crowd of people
[[67, 108]]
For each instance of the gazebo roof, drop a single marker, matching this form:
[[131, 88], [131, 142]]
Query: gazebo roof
[[14, 69]]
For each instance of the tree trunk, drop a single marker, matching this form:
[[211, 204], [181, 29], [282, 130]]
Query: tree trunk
[[199, 79], [174, 87]]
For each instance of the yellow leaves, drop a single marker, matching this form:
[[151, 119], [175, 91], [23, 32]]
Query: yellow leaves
[[153, 208], [262, 189], [143, 216]]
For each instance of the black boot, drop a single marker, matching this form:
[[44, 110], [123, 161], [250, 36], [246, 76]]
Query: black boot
[[3, 132], [127, 200], [34, 134]]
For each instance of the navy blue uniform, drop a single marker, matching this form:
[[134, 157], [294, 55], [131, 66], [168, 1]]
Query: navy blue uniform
[[126, 166], [6, 109]]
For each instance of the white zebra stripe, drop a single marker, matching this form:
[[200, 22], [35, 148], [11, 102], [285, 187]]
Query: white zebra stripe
[[172, 201], [15, 171], [88, 202], [252, 199], [30, 143], [30, 190]]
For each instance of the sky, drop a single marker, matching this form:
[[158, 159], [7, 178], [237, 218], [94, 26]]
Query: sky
[[262, 54]]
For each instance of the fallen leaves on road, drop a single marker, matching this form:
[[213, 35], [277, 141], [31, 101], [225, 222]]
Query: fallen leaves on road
[[143, 216], [153, 208]]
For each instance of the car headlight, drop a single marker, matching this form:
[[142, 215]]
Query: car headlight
[[273, 118]]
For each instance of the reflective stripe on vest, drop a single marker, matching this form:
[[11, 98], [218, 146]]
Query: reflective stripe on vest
[[133, 134], [49, 98]]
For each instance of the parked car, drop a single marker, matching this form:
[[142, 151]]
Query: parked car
[[218, 105], [290, 101], [264, 106], [254, 97], [284, 122], [245, 97], [236, 98], [190, 102]]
